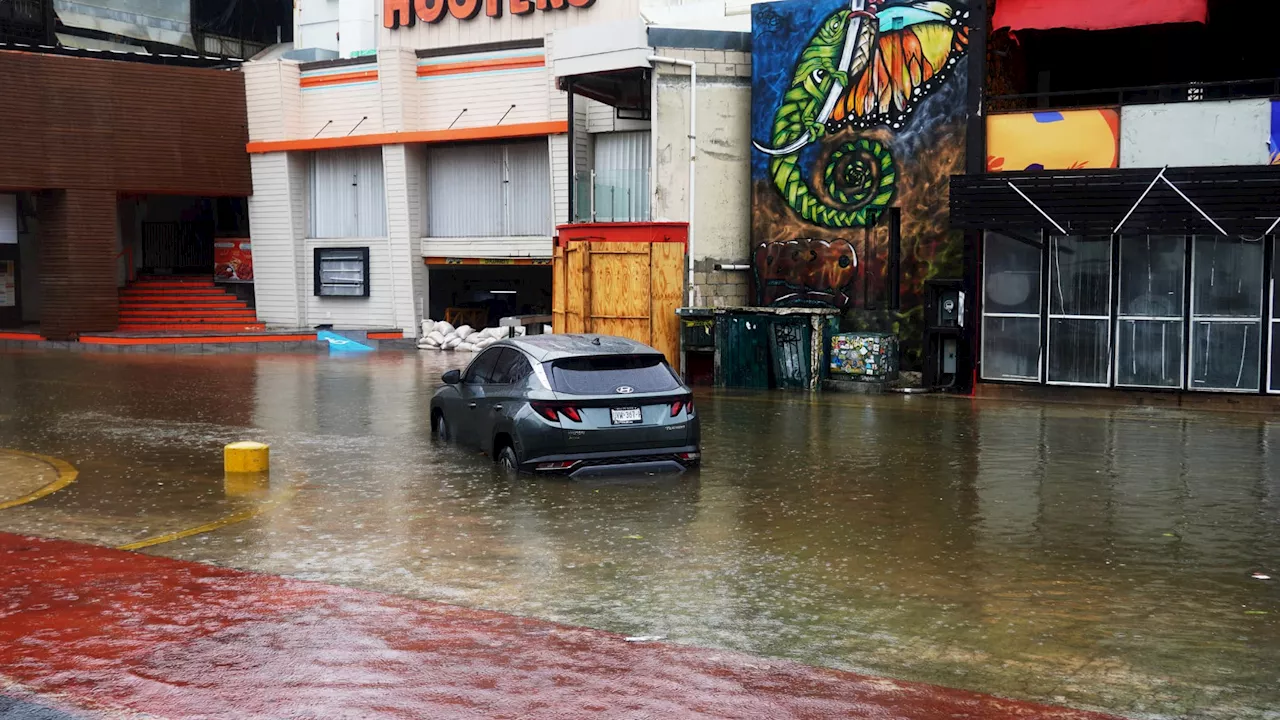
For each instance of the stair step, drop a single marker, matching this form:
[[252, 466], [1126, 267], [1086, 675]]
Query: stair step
[[197, 327], [183, 317], [180, 301], [176, 292], [174, 286]]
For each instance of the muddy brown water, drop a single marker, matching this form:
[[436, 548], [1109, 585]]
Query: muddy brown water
[[1101, 558]]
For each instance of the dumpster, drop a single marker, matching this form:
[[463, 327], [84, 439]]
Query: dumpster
[[764, 348], [697, 344]]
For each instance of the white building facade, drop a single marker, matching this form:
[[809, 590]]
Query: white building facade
[[408, 161]]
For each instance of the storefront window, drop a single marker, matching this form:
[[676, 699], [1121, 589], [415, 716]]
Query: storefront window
[[1149, 328], [1226, 313], [1011, 307], [1079, 310], [1274, 385], [348, 195]]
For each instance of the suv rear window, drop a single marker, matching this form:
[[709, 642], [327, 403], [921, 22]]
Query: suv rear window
[[604, 374]]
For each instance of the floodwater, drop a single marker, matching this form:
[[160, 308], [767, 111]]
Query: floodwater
[[1100, 558]]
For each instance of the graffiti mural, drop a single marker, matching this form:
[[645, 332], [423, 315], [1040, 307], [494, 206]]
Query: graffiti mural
[[857, 106], [795, 273], [1053, 140]]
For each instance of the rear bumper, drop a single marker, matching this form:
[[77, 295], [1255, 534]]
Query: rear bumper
[[649, 460]]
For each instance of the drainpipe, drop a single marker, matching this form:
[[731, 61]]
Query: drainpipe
[[732, 267], [693, 145]]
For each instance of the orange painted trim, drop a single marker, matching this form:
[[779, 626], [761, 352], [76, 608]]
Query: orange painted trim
[[195, 339], [20, 336], [398, 335], [471, 66], [338, 78], [496, 262], [488, 132]]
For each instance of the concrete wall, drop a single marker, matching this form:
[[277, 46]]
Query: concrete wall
[[723, 196], [1195, 134]]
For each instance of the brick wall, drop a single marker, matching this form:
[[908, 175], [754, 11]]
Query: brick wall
[[721, 288], [77, 262], [71, 122]]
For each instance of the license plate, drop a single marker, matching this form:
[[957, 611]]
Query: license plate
[[626, 416]]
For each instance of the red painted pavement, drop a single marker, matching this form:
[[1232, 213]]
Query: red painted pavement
[[115, 630]]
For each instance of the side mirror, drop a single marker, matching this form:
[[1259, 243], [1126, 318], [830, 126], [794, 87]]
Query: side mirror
[[453, 377]]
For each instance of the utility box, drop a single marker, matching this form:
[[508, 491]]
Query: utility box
[[946, 352]]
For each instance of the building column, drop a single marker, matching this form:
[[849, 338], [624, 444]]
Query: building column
[[78, 266], [403, 168]]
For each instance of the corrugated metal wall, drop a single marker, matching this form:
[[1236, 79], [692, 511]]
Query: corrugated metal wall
[[348, 196], [489, 190], [622, 176]]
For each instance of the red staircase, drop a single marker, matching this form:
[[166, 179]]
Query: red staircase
[[183, 304]]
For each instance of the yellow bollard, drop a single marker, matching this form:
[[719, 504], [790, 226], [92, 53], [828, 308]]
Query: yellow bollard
[[253, 486], [246, 457]]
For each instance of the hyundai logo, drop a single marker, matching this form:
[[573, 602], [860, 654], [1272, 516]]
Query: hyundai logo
[[625, 390]]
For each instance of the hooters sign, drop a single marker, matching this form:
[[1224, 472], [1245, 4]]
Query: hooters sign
[[404, 13]]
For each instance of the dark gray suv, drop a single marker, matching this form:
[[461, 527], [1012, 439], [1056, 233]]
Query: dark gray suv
[[571, 404]]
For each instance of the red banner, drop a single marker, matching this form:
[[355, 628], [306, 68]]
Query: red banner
[[232, 260], [1096, 14]]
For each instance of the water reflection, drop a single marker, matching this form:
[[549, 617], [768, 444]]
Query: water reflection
[[1092, 557]]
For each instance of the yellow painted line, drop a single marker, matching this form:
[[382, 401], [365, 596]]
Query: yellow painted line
[[67, 474], [266, 506]]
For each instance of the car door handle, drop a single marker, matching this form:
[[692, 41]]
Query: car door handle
[[497, 407], [471, 405]]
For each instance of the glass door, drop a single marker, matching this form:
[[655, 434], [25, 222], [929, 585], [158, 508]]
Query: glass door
[[1149, 317], [1226, 314], [1079, 311]]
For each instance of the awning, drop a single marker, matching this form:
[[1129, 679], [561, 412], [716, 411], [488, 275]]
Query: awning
[[1243, 200], [1096, 14]]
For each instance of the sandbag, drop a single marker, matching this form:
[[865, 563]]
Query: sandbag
[[437, 336], [428, 326], [444, 328], [465, 331], [465, 347], [451, 344]]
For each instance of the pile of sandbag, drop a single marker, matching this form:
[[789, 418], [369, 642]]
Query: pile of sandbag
[[444, 336]]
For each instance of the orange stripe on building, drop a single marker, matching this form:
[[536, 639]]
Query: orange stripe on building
[[397, 335], [488, 132], [20, 336], [338, 78], [472, 66], [193, 339]]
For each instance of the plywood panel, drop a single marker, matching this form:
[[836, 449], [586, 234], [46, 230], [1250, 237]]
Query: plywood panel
[[576, 287], [620, 283], [666, 294], [558, 289]]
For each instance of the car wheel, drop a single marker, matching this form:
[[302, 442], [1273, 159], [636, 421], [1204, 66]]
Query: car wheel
[[508, 461], [444, 433]]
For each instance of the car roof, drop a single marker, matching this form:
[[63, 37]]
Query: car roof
[[546, 348]]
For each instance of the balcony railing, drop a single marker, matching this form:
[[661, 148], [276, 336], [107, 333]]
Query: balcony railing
[[1141, 95]]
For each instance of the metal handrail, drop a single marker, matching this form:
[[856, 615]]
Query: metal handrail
[[127, 253], [1120, 92]]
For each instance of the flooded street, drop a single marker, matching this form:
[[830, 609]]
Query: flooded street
[[1097, 558]]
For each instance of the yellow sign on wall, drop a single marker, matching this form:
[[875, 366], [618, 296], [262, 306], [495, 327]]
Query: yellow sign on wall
[[1053, 140]]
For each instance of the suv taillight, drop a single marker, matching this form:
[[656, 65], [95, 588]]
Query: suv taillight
[[685, 403], [553, 411]]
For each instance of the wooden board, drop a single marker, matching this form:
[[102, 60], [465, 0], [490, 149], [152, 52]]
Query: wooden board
[[666, 295], [558, 289]]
